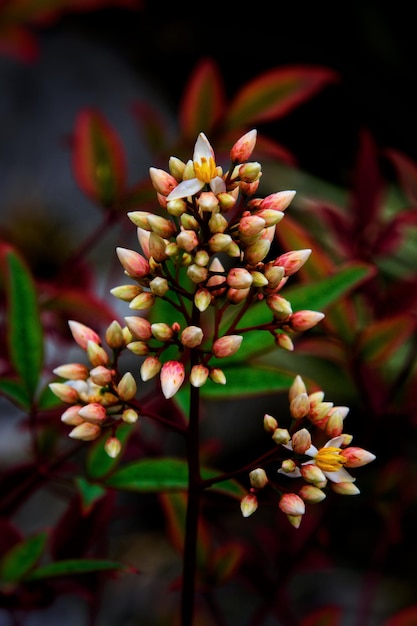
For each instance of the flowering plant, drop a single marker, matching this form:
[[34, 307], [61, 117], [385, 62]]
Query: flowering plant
[[203, 280]]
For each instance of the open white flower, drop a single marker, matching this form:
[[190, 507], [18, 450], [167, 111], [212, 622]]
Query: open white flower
[[205, 169]]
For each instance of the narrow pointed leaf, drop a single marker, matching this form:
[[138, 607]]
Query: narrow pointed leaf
[[90, 492], [406, 171], [249, 380], [203, 101], [15, 391], [71, 567], [25, 335], [381, 339], [98, 158], [275, 93], [405, 617], [23, 557]]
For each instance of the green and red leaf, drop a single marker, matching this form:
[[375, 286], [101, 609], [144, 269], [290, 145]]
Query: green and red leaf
[[405, 617], [22, 558]]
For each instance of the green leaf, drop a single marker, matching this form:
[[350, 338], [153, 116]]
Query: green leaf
[[99, 463], [74, 566], [164, 475], [249, 380], [382, 338], [15, 391], [23, 557], [275, 93], [90, 492], [25, 334]]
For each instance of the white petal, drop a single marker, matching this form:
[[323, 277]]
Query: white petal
[[202, 148], [312, 451], [334, 442], [186, 188], [295, 474], [341, 476], [217, 185]]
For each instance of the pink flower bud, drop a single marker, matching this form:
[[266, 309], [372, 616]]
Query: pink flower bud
[[258, 478], [159, 286], [126, 389], [292, 261], [94, 413], [176, 167], [334, 425], [279, 306], [236, 296], [162, 332], [357, 457], [207, 201], [161, 226], [140, 348], [113, 447], [139, 327], [313, 474], [71, 416], [311, 494], [162, 182], [278, 201], [297, 387], [82, 334], [299, 406], [140, 219], [345, 489], [256, 252], [301, 441], [126, 292], [202, 299], [157, 248], [85, 432], [134, 264], [72, 371], [196, 273], [281, 436], [64, 392], [187, 240], [191, 336], [198, 375], [96, 354], [270, 423], [250, 226], [114, 335], [248, 504], [243, 148], [271, 217], [284, 341], [239, 278], [291, 504], [217, 376], [143, 301], [250, 172], [226, 200], [226, 346], [150, 367], [219, 242], [319, 414], [101, 375], [304, 320], [172, 377], [130, 416]]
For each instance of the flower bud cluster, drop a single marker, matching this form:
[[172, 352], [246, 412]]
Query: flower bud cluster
[[317, 468], [97, 397]]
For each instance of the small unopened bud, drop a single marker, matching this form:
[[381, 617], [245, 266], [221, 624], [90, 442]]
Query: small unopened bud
[[198, 375], [301, 441], [316, 398], [159, 286], [82, 334], [297, 387], [299, 406], [140, 219], [187, 240], [134, 264], [126, 389], [357, 457], [249, 172], [172, 377], [140, 348], [248, 504], [278, 201], [101, 375], [196, 273], [114, 335], [334, 425], [226, 200], [279, 306], [313, 474], [281, 436], [176, 207], [258, 478], [139, 327], [259, 279], [126, 292], [284, 341], [217, 376], [202, 299], [150, 367], [71, 416], [161, 226], [288, 466], [113, 447], [218, 223], [311, 494], [227, 345], [243, 148], [162, 182], [64, 392], [270, 423], [96, 354], [219, 242], [85, 432], [271, 217], [130, 416], [191, 336], [239, 278], [345, 488], [176, 167], [236, 296], [274, 275], [72, 371], [162, 332], [142, 302], [304, 320], [207, 201], [292, 261], [157, 247], [291, 504], [256, 252], [94, 413], [319, 414], [250, 227]]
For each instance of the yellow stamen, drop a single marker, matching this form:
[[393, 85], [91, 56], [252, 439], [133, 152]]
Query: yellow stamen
[[205, 169], [330, 459]]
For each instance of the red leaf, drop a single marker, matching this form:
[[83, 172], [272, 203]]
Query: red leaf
[[203, 102], [17, 42], [391, 236], [406, 617], [275, 93], [406, 172], [326, 616], [98, 158], [152, 125], [379, 340]]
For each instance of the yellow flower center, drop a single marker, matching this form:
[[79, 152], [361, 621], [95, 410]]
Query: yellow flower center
[[330, 459], [205, 169]]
